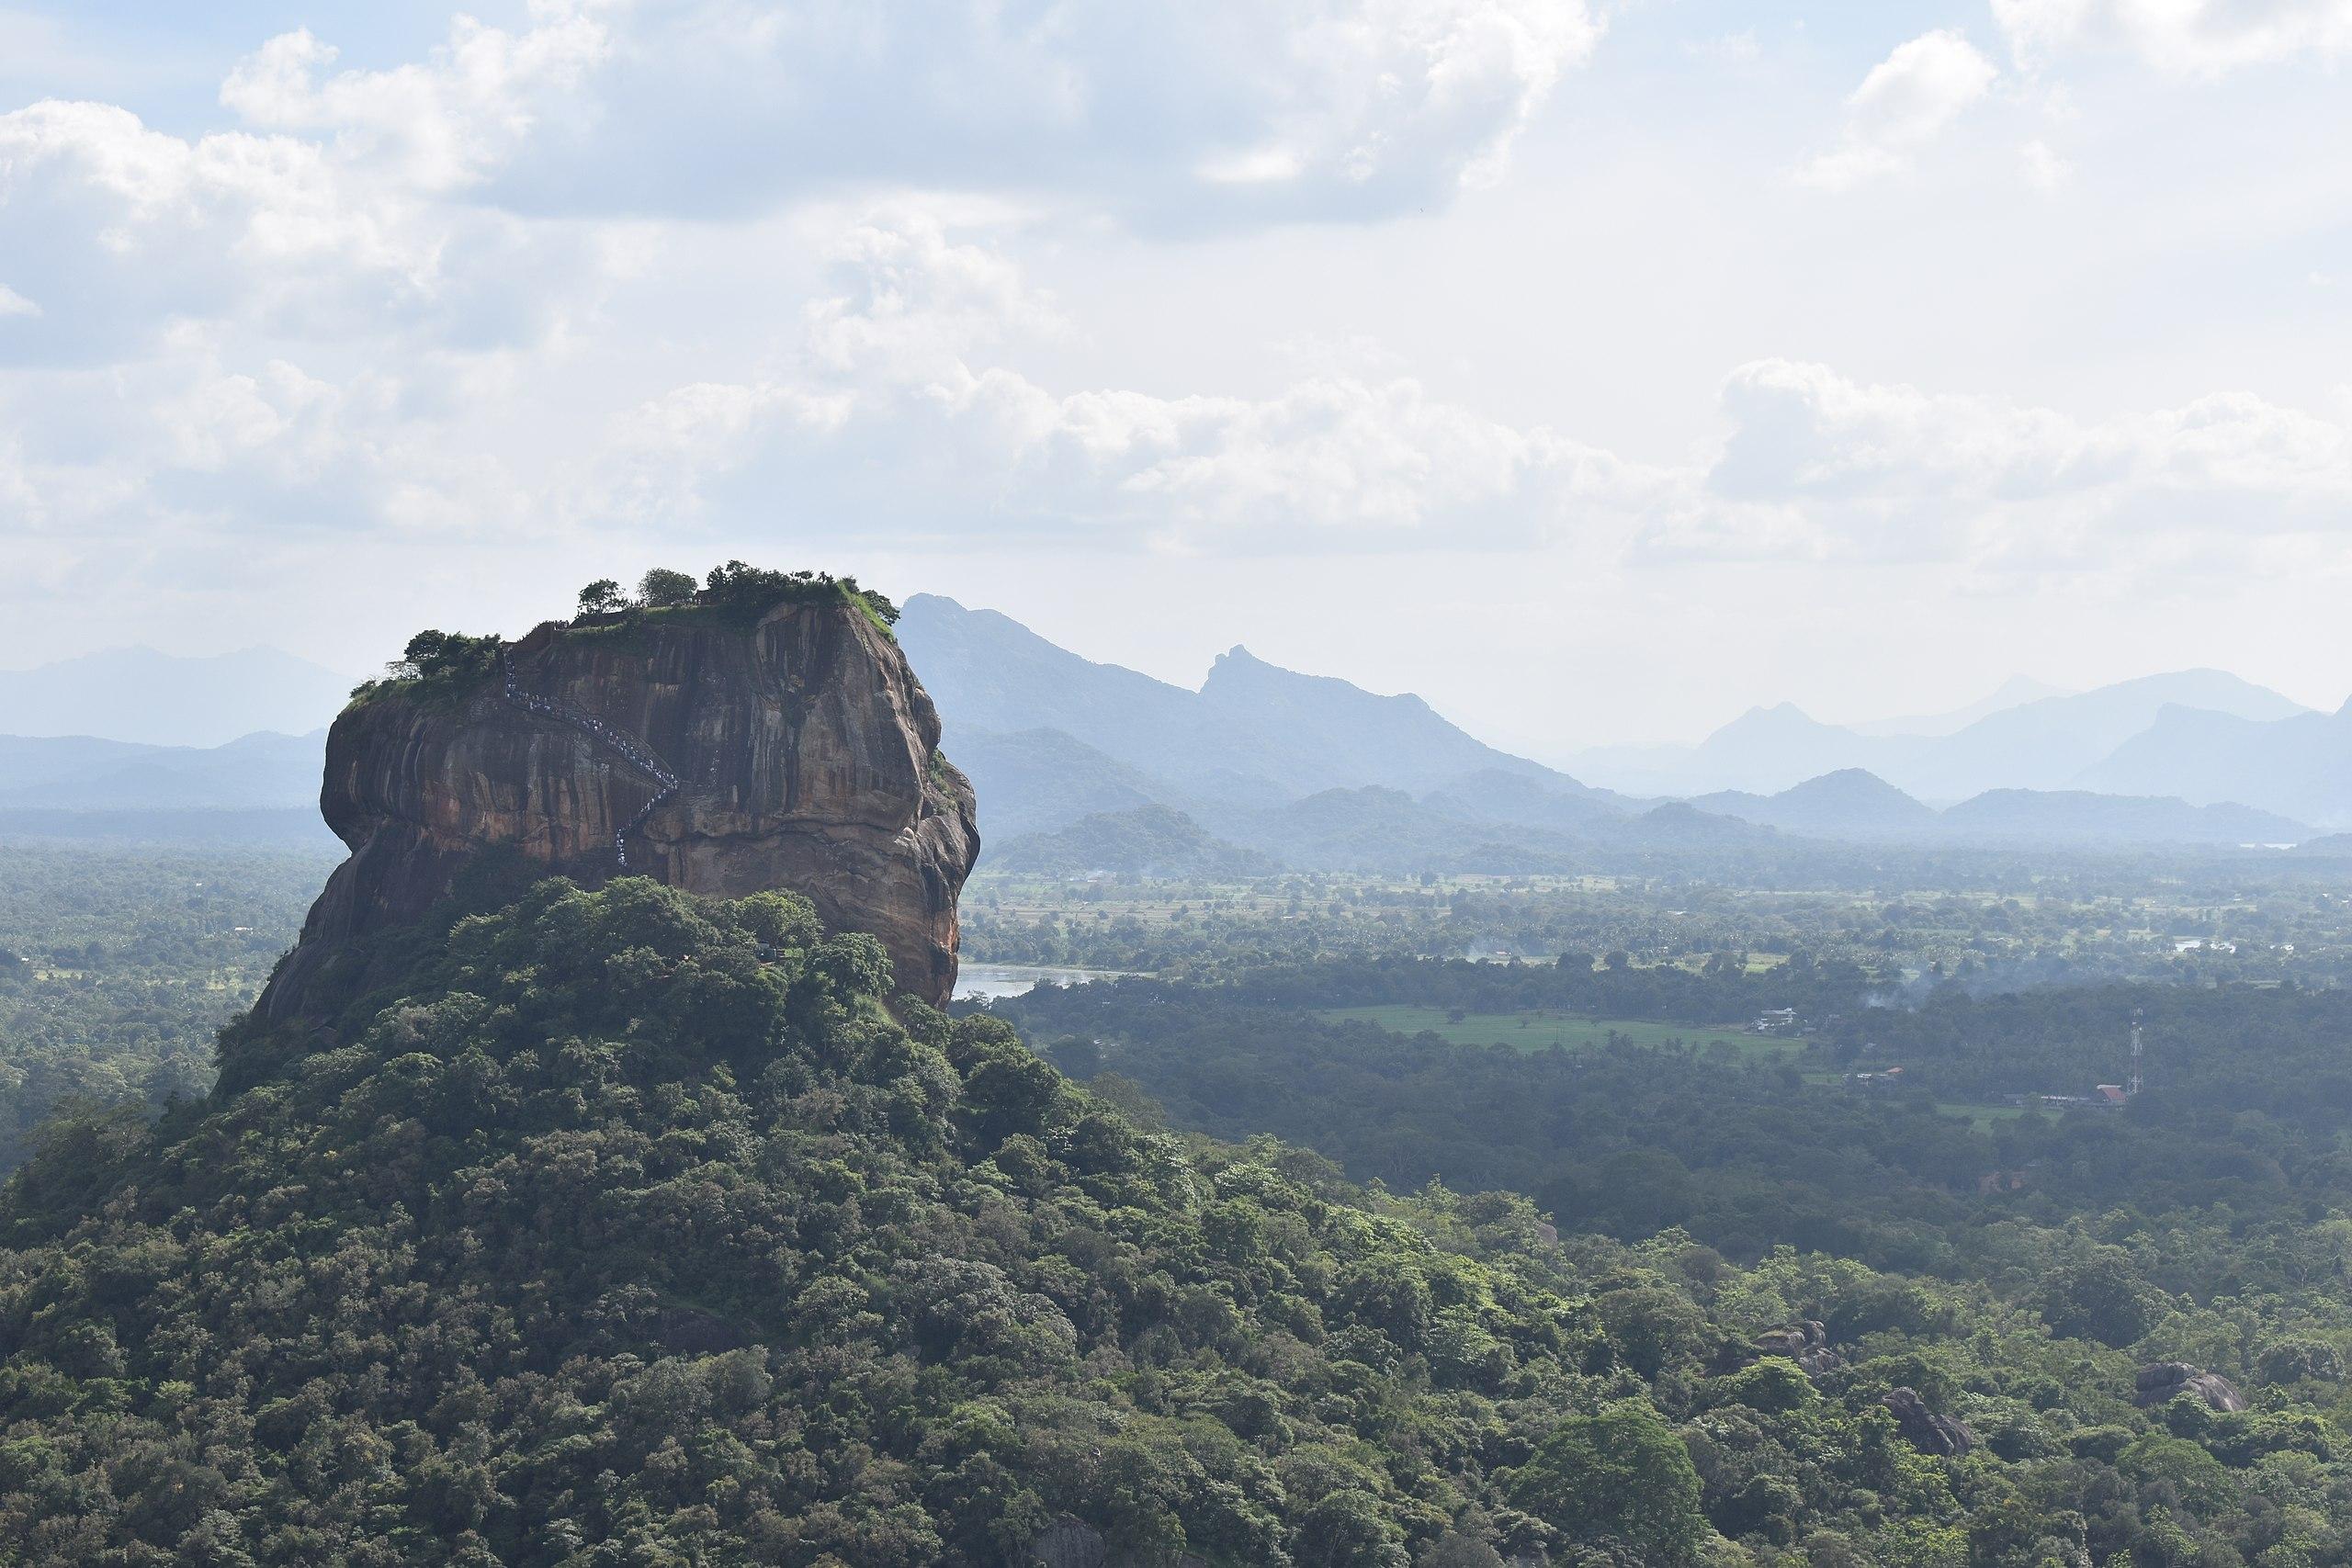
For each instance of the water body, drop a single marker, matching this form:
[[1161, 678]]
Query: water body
[[986, 982]]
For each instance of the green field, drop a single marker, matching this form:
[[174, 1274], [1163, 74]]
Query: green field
[[1542, 1030]]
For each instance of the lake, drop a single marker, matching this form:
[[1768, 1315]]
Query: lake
[[986, 982]]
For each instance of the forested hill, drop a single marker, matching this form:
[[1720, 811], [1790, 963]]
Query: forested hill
[[631, 1227]]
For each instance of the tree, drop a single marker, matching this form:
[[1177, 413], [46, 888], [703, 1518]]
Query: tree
[[662, 588], [602, 597], [439, 655], [2101, 1297], [1620, 1474]]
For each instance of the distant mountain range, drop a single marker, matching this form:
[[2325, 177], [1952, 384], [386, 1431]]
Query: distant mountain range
[[2055, 742], [1083, 765], [1252, 733], [2015, 692], [1150, 841], [77, 773], [1075, 760], [2300, 764], [1853, 804], [160, 699]]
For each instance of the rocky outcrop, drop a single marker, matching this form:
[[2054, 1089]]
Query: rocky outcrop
[[725, 757], [1072, 1543], [2164, 1381], [1806, 1344], [1923, 1429]]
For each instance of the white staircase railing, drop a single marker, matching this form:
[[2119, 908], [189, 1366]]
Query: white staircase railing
[[639, 755]]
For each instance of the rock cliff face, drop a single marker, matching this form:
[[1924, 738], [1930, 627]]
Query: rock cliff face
[[797, 752], [2164, 1381]]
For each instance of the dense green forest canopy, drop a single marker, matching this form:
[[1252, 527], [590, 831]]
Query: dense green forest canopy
[[632, 1228], [1750, 1150], [127, 960]]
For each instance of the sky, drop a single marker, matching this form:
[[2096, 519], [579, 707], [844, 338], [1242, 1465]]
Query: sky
[[1595, 369]]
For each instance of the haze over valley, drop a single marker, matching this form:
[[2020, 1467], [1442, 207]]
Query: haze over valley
[[1357, 783], [1314, 772]]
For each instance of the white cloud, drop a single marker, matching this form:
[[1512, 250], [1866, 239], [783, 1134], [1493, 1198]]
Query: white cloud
[[904, 402], [441, 125], [1436, 89], [2045, 169], [802, 283], [1216, 113], [1821, 467], [2185, 37], [1905, 103], [903, 392], [351, 207]]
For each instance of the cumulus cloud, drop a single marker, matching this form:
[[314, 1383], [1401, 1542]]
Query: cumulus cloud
[[2185, 37], [348, 319], [439, 125], [338, 208], [1821, 467], [361, 308], [2044, 170], [904, 396], [1219, 112], [1907, 101]]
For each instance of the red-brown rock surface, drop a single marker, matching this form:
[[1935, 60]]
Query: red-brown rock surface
[[799, 752]]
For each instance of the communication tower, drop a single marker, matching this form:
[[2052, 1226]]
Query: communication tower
[[2134, 1087]]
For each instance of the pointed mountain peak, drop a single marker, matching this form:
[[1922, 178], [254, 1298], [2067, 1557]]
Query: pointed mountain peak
[[1779, 717], [1238, 660]]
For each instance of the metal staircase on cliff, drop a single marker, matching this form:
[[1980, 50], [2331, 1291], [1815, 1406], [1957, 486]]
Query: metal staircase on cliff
[[639, 755]]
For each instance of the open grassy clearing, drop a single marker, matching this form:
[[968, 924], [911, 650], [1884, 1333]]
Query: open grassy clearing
[[1542, 1031]]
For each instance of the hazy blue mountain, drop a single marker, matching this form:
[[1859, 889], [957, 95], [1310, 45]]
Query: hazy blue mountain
[[1849, 803], [77, 773], [1328, 732], [1039, 780], [2044, 744], [1775, 748], [32, 761], [1763, 751], [987, 671], [1254, 735], [161, 699], [291, 829], [1150, 841], [1317, 772], [1496, 795], [1677, 824], [1853, 804], [1375, 829], [2015, 692], [2058, 815], [2300, 765]]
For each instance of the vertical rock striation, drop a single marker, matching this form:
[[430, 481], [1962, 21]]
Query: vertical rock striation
[[719, 754]]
